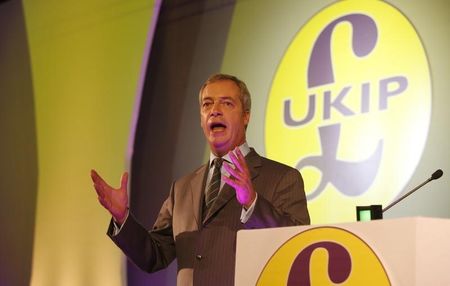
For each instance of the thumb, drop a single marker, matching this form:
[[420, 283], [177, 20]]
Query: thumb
[[124, 181]]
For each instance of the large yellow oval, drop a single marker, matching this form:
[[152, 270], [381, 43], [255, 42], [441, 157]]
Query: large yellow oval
[[365, 266], [384, 109]]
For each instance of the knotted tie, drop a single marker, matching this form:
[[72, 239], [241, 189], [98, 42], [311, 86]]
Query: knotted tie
[[214, 184]]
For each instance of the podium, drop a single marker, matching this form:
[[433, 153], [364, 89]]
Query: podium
[[405, 251]]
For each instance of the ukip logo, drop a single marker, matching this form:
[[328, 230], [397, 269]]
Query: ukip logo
[[311, 258], [350, 106]]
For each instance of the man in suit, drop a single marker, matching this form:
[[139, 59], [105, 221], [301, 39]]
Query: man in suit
[[237, 189]]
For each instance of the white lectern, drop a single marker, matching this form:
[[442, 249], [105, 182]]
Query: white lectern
[[406, 251]]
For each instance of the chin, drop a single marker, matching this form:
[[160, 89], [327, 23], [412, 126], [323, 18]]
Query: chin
[[220, 149], [218, 141]]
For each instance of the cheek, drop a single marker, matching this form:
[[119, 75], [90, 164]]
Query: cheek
[[203, 126], [202, 121]]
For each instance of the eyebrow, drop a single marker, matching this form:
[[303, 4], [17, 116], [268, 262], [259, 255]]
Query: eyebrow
[[220, 98]]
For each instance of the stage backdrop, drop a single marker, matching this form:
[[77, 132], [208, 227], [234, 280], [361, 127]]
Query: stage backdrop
[[86, 62], [352, 93]]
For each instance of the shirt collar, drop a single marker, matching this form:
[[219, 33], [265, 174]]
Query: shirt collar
[[244, 148]]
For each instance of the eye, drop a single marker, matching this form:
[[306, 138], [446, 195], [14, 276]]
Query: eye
[[228, 103], [206, 104]]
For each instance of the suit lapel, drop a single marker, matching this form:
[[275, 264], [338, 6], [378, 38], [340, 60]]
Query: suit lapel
[[227, 192], [197, 185], [253, 163]]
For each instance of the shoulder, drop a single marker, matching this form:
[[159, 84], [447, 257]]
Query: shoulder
[[275, 165], [270, 165], [198, 172], [271, 175]]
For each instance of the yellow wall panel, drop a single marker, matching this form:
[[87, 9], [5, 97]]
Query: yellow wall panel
[[86, 61]]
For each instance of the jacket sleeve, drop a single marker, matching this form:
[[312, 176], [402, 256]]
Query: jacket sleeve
[[287, 206], [149, 250]]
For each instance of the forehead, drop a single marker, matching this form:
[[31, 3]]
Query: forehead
[[222, 88]]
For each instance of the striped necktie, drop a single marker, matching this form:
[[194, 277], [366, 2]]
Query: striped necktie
[[214, 184]]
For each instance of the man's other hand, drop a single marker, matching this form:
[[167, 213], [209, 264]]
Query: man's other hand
[[240, 178], [114, 200]]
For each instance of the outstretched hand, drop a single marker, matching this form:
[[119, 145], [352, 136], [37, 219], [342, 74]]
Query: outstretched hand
[[114, 200], [240, 178]]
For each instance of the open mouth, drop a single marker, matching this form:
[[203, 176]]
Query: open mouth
[[217, 127]]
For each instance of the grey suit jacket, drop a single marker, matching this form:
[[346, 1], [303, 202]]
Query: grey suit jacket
[[205, 244]]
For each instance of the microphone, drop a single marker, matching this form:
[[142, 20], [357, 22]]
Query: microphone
[[436, 175]]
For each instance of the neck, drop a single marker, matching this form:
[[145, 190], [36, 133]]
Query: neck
[[220, 153]]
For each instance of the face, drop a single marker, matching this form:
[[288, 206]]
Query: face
[[223, 119]]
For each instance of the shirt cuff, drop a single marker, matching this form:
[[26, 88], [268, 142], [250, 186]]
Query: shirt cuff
[[118, 227], [246, 214]]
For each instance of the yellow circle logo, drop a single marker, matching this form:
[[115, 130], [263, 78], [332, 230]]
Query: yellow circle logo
[[350, 107], [311, 258]]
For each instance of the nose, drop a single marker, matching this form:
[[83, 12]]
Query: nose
[[216, 110]]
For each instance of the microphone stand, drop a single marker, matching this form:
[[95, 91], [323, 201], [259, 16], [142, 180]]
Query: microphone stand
[[407, 194], [375, 211]]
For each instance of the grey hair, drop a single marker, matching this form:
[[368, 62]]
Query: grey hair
[[244, 95]]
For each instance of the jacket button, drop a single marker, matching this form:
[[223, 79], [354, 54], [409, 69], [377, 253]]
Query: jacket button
[[198, 256]]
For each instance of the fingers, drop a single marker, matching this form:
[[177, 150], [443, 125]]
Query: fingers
[[105, 203], [244, 190], [124, 181], [233, 172], [240, 170], [239, 177], [99, 188], [236, 178], [98, 180], [241, 157], [102, 188], [98, 183], [114, 200], [238, 160], [231, 182], [94, 176]]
